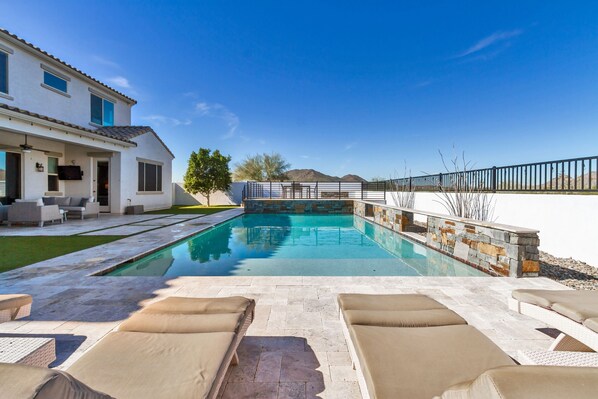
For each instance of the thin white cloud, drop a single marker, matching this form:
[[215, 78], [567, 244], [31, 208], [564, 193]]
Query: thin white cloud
[[104, 61], [215, 110], [349, 146], [119, 81], [488, 41], [166, 120]]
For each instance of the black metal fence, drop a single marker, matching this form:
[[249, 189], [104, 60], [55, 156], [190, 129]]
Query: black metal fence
[[373, 191], [566, 175]]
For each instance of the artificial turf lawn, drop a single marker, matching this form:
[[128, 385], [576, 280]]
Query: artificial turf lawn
[[21, 251], [193, 210]]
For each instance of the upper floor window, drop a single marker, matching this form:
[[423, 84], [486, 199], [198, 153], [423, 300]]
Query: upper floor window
[[102, 111], [3, 72], [55, 82]]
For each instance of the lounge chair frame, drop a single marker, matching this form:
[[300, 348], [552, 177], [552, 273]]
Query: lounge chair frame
[[15, 313], [575, 336], [365, 394]]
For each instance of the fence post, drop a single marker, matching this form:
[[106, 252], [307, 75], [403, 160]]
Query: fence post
[[293, 189], [439, 181], [339, 190], [494, 182], [362, 183], [316, 190]]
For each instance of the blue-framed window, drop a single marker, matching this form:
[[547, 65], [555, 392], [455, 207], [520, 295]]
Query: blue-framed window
[[3, 72], [55, 82], [102, 111]]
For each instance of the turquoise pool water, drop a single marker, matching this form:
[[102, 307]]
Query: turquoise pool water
[[297, 245]]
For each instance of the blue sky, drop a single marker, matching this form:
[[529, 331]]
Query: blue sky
[[342, 87]]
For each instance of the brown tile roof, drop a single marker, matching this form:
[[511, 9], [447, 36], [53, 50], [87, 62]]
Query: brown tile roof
[[121, 133], [63, 123], [30, 45], [130, 132]]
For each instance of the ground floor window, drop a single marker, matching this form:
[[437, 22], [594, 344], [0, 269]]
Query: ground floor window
[[149, 177], [10, 177], [53, 174]]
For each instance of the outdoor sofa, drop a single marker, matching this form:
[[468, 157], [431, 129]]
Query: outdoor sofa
[[76, 206], [411, 346], [175, 348], [3, 212], [25, 211], [574, 313], [14, 306]]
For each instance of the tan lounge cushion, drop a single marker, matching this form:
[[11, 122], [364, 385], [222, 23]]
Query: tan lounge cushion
[[12, 301], [530, 382], [135, 365], [422, 362], [576, 305], [182, 323], [546, 298], [18, 381], [186, 305], [578, 310], [591, 323], [403, 318], [388, 302]]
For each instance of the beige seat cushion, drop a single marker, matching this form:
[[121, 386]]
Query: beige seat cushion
[[182, 323], [12, 301], [546, 298], [185, 305], [422, 362], [591, 323], [578, 310], [403, 318], [576, 305], [529, 382], [135, 365], [388, 302], [18, 381]]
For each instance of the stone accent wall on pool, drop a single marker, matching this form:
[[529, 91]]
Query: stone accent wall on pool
[[300, 206], [495, 248]]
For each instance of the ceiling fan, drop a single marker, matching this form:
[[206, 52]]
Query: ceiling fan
[[27, 148]]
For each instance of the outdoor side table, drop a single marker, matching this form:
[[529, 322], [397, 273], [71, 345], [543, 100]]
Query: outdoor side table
[[29, 351]]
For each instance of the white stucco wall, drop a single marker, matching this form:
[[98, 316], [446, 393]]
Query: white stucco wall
[[567, 223], [149, 148], [25, 76], [232, 197]]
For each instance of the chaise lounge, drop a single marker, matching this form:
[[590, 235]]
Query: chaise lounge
[[574, 313], [411, 346], [174, 348]]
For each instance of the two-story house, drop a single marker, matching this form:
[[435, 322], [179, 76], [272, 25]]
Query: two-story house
[[64, 133]]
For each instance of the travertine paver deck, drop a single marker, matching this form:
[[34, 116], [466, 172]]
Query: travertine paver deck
[[295, 347]]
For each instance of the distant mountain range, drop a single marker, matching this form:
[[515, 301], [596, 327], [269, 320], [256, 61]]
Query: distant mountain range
[[311, 175]]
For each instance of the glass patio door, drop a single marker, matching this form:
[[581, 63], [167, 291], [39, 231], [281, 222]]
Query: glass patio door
[[102, 184], [10, 177]]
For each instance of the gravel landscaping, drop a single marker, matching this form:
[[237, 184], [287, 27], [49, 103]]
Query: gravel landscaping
[[568, 271]]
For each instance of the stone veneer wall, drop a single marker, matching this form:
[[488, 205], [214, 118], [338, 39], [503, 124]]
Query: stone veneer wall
[[491, 247], [299, 206]]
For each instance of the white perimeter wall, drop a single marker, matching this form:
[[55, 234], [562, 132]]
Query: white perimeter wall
[[567, 223], [233, 197]]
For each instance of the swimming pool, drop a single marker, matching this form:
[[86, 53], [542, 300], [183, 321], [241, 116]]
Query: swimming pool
[[296, 245]]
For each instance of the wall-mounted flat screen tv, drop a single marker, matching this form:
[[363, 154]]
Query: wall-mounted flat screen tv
[[69, 172]]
